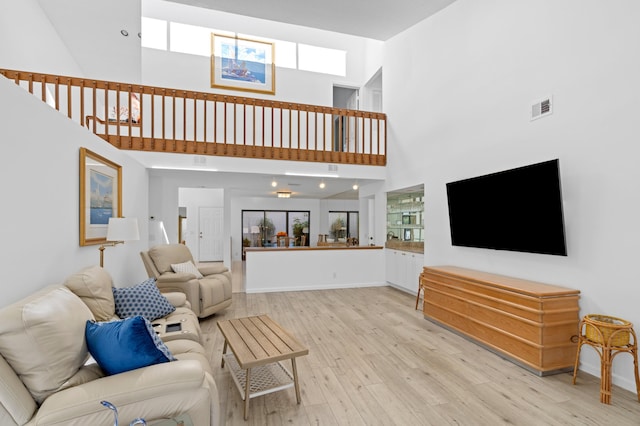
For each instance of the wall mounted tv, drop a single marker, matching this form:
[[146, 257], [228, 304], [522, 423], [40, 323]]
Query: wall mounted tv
[[518, 210]]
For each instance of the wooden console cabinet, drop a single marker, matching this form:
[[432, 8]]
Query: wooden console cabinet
[[532, 324]]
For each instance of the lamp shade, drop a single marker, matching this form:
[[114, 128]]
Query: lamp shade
[[122, 229]]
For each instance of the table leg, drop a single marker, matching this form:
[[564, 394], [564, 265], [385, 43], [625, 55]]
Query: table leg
[[224, 351], [605, 379], [418, 295], [246, 393], [295, 379]]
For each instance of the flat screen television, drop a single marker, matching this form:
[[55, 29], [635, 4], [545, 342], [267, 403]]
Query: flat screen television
[[517, 210]]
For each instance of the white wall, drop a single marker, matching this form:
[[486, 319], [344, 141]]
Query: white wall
[[39, 177], [30, 42], [185, 71], [39, 224], [458, 89]]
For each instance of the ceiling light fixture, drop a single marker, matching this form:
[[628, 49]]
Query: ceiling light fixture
[[124, 33], [322, 185], [355, 186], [274, 183], [284, 194]]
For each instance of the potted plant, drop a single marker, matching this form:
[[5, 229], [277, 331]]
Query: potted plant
[[338, 229], [298, 228], [267, 229]]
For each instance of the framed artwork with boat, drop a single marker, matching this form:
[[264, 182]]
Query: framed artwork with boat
[[242, 64], [100, 196]]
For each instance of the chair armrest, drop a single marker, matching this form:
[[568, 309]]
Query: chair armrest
[[175, 277], [176, 298], [212, 269], [144, 392]]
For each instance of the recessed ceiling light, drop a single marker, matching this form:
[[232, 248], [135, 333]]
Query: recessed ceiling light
[[124, 33], [274, 183], [355, 186], [322, 185]]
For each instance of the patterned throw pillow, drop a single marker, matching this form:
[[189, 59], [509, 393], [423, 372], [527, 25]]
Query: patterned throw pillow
[[124, 345], [143, 299], [187, 267]]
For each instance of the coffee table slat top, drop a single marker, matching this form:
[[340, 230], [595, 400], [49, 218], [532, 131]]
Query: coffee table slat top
[[259, 340]]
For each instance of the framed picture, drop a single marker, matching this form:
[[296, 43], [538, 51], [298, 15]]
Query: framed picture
[[100, 196], [242, 64]]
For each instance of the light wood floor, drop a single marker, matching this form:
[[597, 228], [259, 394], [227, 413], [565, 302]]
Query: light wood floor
[[374, 360]]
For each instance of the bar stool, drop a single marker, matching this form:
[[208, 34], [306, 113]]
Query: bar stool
[[609, 336]]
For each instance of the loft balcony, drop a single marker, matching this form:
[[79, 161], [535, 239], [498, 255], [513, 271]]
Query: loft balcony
[[156, 119]]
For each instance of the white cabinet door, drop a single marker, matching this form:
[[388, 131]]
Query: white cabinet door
[[391, 257], [403, 269], [417, 264]]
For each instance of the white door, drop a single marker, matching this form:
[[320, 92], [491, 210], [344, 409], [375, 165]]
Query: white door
[[352, 103], [211, 234]]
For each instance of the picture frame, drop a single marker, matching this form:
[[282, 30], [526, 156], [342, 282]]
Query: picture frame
[[100, 196], [243, 64]]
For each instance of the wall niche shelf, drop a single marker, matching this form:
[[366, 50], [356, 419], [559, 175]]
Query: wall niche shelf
[[405, 219]]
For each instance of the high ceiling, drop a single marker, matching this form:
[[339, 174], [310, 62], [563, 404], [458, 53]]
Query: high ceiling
[[91, 32], [376, 19]]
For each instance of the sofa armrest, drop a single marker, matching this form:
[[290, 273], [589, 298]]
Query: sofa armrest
[[176, 298], [156, 392]]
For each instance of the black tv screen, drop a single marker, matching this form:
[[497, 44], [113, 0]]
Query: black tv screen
[[518, 210]]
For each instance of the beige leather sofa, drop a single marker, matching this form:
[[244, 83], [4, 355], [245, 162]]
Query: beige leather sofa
[[207, 295], [45, 378]]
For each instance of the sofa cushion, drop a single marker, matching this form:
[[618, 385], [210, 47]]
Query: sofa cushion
[[165, 254], [187, 267], [93, 286], [143, 299], [127, 344], [42, 338]]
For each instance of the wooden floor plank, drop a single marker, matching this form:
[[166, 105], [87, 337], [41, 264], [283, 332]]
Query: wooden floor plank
[[373, 359]]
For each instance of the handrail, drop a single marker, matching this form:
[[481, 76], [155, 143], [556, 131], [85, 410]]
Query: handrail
[[147, 118]]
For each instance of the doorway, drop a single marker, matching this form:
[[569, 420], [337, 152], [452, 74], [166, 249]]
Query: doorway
[[203, 230], [345, 128]]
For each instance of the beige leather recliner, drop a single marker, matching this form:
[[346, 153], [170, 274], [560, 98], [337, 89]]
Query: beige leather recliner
[[207, 295]]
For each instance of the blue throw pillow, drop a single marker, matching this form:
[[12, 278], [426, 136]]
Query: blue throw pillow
[[124, 345], [143, 299]]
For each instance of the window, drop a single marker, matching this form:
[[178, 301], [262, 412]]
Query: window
[[343, 225], [196, 40], [260, 228]]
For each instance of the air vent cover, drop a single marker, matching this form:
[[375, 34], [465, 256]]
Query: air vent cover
[[541, 108]]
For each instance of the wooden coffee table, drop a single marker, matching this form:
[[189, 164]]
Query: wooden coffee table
[[258, 344]]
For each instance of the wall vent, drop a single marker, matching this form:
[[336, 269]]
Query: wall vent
[[199, 160], [541, 108], [333, 167]]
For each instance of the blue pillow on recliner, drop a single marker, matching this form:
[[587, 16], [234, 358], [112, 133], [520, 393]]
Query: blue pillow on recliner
[[124, 345]]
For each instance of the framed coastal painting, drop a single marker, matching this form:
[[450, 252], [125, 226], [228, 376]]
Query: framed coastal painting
[[242, 64], [100, 196]]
